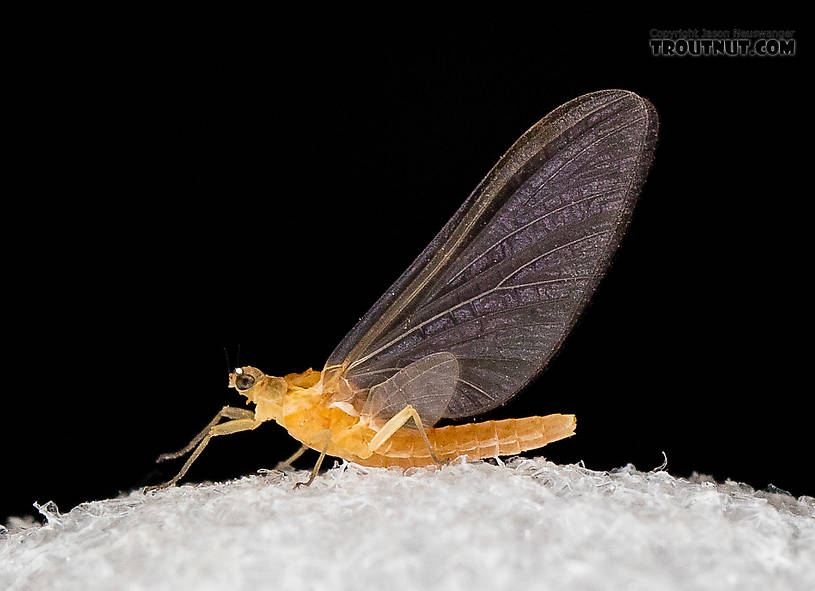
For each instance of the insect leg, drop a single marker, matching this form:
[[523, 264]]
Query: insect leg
[[395, 423], [227, 428], [229, 412], [289, 461], [316, 468]]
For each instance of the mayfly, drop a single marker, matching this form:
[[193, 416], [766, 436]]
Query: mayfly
[[479, 313]]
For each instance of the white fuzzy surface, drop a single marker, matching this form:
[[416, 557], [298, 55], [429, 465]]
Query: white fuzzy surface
[[528, 525]]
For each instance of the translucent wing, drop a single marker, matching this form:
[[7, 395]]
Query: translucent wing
[[427, 384], [504, 281]]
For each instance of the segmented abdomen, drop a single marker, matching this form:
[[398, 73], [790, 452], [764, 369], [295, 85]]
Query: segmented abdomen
[[475, 440]]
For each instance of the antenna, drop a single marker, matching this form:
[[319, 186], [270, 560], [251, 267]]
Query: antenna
[[229, 367]]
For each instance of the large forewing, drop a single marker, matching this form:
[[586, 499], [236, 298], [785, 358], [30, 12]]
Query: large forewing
[[505, 280]]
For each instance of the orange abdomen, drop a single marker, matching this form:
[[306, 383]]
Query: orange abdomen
[[476, 440]]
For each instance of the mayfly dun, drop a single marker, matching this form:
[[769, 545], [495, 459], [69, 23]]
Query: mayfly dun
[[478, 314]]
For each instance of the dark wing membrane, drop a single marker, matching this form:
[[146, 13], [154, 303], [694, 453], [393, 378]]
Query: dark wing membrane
[[506, 278]]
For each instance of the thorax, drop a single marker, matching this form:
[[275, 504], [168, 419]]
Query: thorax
[[309, 417]]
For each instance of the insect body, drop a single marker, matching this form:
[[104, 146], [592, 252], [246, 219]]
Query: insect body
[[481, 310], [310, 417]]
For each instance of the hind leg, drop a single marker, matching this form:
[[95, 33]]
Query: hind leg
[[397, 422]]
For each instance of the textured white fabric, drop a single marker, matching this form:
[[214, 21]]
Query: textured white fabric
[[527, 525]]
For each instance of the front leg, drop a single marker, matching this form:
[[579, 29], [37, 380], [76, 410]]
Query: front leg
[[234, 426], [227, 412], [395, 423]]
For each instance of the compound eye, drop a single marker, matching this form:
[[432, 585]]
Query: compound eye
[[244, 381]]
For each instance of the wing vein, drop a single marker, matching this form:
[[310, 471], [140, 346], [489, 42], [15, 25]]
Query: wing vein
[[498, 287], [524, 227], [580, 153]]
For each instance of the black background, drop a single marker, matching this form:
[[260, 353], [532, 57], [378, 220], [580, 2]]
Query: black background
[[182, 191]]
